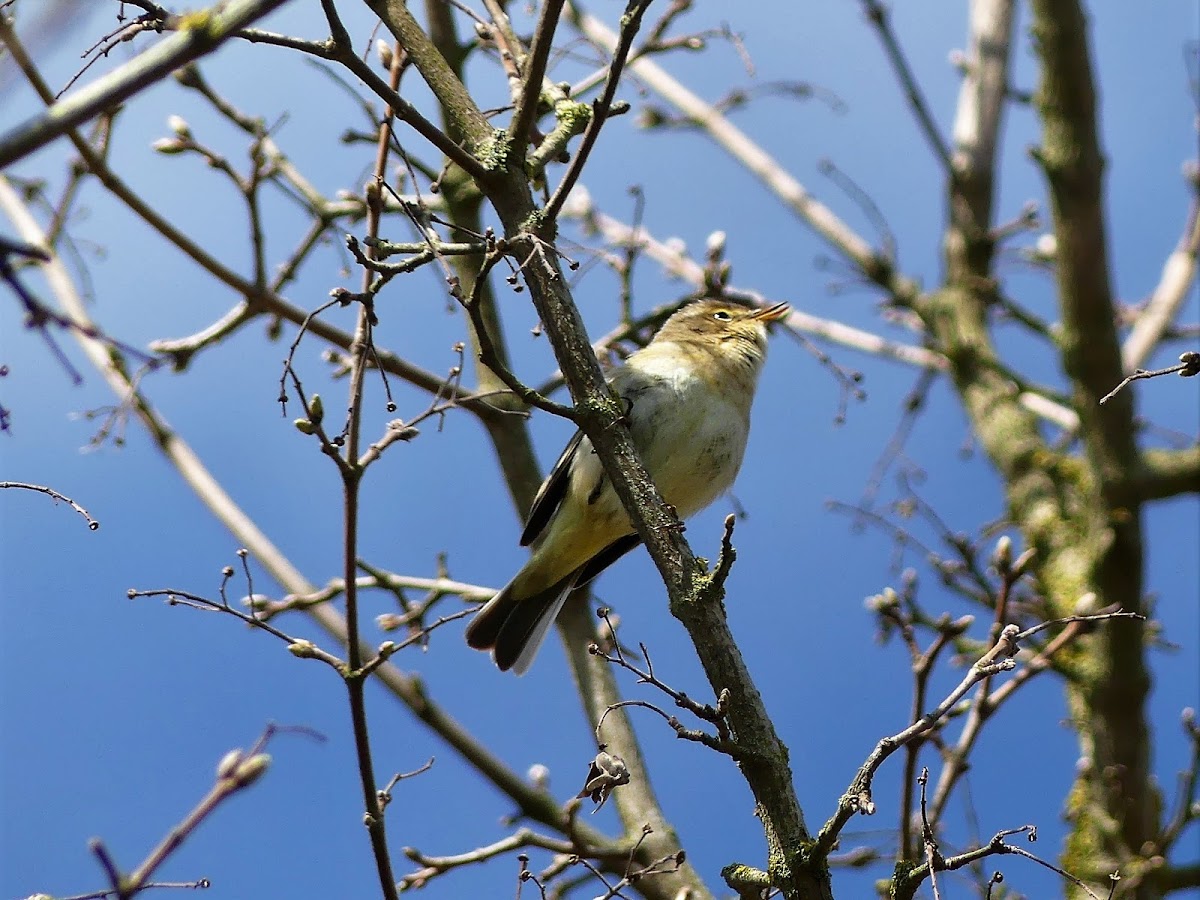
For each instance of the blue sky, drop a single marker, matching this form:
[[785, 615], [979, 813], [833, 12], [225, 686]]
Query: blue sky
[[113, 713]]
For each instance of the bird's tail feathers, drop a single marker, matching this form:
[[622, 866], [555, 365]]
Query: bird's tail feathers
[[514, 624]]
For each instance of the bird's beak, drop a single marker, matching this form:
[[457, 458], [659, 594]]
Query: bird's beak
[[771, 313]]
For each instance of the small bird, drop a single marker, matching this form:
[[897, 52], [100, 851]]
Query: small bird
[[688, 394]]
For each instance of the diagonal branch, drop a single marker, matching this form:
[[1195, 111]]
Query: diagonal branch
[[880, 16], [466, 120], [678, 264], [535, 70], [200, 34], [344, 54], [631, 21]]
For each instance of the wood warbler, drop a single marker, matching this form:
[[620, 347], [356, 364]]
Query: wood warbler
[[688, 393]]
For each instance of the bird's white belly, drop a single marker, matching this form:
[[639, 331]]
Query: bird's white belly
[[689, 431], [691, 438]]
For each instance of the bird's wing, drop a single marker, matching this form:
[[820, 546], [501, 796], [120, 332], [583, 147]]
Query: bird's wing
[[604, 559], [554, 488], [550, 494]]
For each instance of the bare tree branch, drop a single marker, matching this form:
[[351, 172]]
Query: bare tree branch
[[50, 492], [200, 34]]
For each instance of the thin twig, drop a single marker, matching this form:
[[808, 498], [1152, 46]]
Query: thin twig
[[92, 524], [535, 71], [879, 16], [238, 770], [631, 21], [1188, 365]]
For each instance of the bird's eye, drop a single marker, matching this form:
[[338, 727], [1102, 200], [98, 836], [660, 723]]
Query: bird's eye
[[722, 315]]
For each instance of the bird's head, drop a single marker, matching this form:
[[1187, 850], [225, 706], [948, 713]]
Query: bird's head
[[733, 332]]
